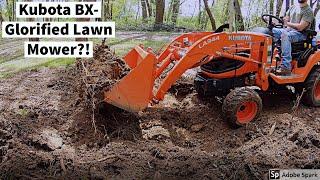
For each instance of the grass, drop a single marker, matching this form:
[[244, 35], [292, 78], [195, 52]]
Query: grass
[[8, 70], [16, 55], [58, 62], [122, 47], [14, 64], [23, 112]]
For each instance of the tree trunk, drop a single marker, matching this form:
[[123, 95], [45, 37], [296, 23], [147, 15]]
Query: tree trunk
[[7, 7], [271, 6], [149, 8], [144, 9], [287, 5], [279, 7], [13, 10], [169, 11], [199, 17], [316, 10], [212, 20], [160, 5], [175, 11], [238, 14], [107, 13], [1, 18], [111, 9]]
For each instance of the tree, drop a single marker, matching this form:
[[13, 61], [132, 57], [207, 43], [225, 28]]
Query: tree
[[238, 14], [235, 16], [107, 9], [316, 10], [144, 9], [175, 11], [160, 5], [1, 18], [10, 8], [271, 6], [149, 6], [279, 7], [212, 20], [287, 5]]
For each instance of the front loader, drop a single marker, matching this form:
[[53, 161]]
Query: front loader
[[233, 65]]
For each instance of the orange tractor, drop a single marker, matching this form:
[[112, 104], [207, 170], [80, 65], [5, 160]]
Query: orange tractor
[[231, 63]]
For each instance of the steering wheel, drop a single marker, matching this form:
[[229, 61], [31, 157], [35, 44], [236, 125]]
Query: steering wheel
[[268, 19]]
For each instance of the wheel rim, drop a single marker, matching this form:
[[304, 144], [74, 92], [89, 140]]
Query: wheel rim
[[247, 112], [317, 91]]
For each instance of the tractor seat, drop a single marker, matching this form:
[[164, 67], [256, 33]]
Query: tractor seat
[[299, 47]]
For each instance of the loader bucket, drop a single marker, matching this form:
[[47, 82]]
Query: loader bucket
[[134, 92]]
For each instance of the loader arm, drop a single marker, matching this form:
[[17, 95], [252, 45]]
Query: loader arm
[[135, 91], [199, 53]]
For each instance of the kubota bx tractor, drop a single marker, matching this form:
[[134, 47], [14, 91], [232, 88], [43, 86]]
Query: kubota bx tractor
[[231, 63]]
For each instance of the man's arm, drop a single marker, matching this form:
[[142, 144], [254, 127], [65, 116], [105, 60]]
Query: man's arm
[[298, 26], [306, 20]]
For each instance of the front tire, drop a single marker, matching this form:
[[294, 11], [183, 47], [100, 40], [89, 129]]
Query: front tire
[[241, 106], [312, 87]]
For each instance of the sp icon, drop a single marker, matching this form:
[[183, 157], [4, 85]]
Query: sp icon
[[274, 174]]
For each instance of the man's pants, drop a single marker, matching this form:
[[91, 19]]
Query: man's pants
[[287, 36]]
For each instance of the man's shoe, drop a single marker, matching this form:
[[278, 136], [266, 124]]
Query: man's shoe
[[283, 71]]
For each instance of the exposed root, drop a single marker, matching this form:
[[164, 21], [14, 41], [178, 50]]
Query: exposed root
[[98, 75]]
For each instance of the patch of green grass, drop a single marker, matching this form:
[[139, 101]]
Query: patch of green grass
[[10, 70], [122, 47], [6, 75], [16, 55], [23, 112], [58, 62]]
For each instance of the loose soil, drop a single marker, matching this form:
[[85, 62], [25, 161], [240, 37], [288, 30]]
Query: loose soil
[[46, 131]]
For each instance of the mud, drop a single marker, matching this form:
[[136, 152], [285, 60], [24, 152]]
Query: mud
[[46, 131]]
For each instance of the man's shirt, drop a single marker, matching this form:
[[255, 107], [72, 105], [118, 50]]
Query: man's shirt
[[297, 14]]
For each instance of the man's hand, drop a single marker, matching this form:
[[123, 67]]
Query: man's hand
[[286, 20]]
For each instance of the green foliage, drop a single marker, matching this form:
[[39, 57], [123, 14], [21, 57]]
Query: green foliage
[[23, 112], [219, 11], [119, 9], [8, 11], [188, 22]]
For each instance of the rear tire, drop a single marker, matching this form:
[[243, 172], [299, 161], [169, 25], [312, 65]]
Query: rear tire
[[241, 106], [200, 93], [311, 96]]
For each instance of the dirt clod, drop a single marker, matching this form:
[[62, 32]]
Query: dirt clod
[[197, 127], [48, 139]]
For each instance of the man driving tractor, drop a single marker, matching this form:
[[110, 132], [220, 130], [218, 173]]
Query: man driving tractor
[[297, 19]]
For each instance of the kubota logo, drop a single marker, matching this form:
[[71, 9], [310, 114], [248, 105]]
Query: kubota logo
[[240, 38], [208, 41]]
